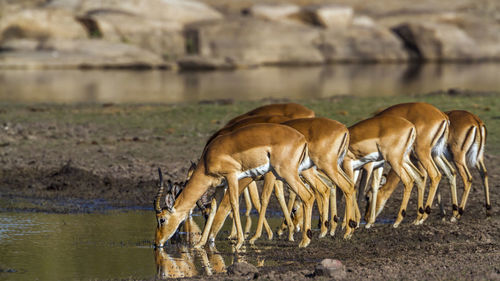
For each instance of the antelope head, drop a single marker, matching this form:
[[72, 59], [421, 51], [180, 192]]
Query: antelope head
[[168, 220]]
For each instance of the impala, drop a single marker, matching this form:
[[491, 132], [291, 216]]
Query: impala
[[432, 128], [327, 141], [272, 113], [383, 139], [248, 152], [466, 147], [251, 192]]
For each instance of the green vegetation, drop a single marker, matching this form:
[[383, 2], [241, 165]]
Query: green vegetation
[[193, 123]]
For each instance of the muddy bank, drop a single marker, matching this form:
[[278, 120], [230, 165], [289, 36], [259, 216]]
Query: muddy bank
[[86, 158]]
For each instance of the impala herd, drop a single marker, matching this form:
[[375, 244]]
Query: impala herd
[[286, 143]]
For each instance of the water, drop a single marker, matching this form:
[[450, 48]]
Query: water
[[125, 86], [113, 245]]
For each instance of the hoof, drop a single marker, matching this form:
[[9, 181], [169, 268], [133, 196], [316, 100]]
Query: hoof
[[453, 219], [332, 233], [396, 225], [304, 244], [322, 234], [368, 225], [352, 224], [347, 236]]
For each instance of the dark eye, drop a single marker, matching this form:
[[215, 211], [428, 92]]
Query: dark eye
[[162, 221]]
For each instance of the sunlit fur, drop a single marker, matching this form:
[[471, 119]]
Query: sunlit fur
[[231, 154], [466, 149], [432, 127]]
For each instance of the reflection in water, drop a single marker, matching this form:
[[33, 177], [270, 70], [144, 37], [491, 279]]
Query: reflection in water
[[125, 86], [184, 261], [115, 245]]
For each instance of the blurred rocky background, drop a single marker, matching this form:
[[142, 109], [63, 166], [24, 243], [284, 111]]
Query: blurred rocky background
[[225, 34]]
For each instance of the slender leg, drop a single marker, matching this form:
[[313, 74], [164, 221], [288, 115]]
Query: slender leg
[[484, 175], [291, 202], [377, 175], [266, 195], [208, 225], [346, 185], [297, 215], [233, 234], [462, 170], [435, 177], [278, 190], [333, 211], [307, 198], [421, 191], [248, 205], [450, 173], [254, 195], [385, 191], [322, 198], [232, 183], [408, 185]]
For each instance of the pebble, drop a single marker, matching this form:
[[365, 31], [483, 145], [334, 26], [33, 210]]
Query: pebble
[[331, 268]]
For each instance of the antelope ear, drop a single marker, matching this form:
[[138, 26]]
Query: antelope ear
[[169, 186], [176, 190], [169, 202]]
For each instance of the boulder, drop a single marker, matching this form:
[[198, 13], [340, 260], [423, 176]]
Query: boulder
[[361, 44], [248, 42], [330, 268], [81, 54], [329, 16], [162, 37], [41, 24], [179, 11], [438, 41], [446, 35]]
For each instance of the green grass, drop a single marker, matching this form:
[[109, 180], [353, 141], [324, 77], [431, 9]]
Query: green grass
[[195, 122]]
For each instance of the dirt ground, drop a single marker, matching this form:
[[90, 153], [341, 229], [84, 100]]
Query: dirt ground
[[51, 165]]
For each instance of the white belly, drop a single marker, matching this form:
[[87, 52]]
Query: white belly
[[360, 162], [255, 172]]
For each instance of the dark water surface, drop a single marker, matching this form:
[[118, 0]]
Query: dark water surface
[[125, 86], [112, 245]]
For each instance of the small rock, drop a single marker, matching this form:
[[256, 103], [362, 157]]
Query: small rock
[[330, 15], [330, 268], [274, 12], [243, 269]]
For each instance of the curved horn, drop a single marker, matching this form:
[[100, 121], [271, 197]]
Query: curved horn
[[160, 193]]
